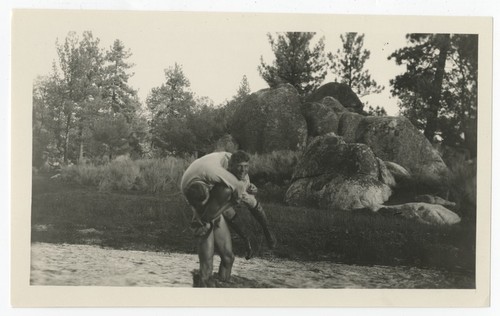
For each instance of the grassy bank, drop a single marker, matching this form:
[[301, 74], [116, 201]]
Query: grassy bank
[[163, 175], [74, 213]]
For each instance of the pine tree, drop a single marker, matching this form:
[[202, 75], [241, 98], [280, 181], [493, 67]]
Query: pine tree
[[438, 91], [244, 88], [347, 65], [81, 63], [295, 62], [87, 86], [117, 92], [170, 106], [376, 111], [172, 98]]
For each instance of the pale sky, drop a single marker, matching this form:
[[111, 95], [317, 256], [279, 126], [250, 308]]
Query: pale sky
[[214, 59]]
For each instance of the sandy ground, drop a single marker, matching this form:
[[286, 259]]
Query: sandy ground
[[64, 264]]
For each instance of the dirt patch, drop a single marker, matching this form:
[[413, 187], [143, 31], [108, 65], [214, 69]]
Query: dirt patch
[[64, 264]]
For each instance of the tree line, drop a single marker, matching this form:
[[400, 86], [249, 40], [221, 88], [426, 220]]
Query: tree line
[[85, 109]]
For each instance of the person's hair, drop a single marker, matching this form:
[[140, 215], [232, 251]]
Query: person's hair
[[240, 156], [197, 192]]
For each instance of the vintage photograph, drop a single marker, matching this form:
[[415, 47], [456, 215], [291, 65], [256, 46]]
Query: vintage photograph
[[177, 150]]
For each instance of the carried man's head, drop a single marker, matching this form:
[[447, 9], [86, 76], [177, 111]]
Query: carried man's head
[[197, 194], [239, 164]]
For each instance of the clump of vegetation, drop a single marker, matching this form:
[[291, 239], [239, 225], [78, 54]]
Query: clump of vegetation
[[85, 174], [272, 173], [462, 184], [161, 175], [121, 174], [124, 174]]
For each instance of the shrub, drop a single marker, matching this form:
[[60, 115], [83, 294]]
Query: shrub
[[462, 184], [120, 174], [83, 174], [124, 174], [275, 167], [272, 173], [161, 175]]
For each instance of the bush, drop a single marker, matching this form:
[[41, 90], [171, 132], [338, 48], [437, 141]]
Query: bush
[[462, 184], [83, 174], [120, 174], [161, 175], [124, 174], [272, 173], [275, 167]]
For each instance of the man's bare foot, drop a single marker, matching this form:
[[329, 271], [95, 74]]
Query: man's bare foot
[[249, 252], [271, 240]]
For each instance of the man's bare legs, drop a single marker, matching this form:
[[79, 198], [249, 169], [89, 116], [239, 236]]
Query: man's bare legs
[[218, 238], [224, 247], [206, 249]]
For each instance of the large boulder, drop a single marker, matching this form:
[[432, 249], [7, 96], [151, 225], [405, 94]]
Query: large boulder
[[432, 199], [322, 117], [425, 213], [399, 173], [385, 175], [340, 91], [269, 120], [392, 139], [336, 175], [348, 126], [396, 139]]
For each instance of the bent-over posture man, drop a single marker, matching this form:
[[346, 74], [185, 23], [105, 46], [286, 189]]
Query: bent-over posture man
[[210, 189]]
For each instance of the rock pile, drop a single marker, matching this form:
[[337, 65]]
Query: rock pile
[[354, 161]]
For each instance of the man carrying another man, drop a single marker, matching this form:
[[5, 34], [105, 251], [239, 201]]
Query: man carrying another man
[[212, 185]]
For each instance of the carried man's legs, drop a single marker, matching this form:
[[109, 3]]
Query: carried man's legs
[[232, 219], [258, 213]]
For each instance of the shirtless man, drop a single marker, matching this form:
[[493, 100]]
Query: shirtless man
[[212, 190]]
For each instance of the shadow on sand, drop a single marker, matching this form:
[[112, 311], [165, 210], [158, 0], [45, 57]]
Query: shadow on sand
[[234, 282]]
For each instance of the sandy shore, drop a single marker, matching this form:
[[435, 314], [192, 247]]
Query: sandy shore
[[64, 264]]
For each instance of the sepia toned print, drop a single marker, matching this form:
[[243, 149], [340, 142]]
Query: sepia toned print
[[362, 148]]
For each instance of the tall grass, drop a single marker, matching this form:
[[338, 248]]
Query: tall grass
[[462, 184], [461, 181], [83, 174], [271, 171], [123, 174], [161, 175]]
